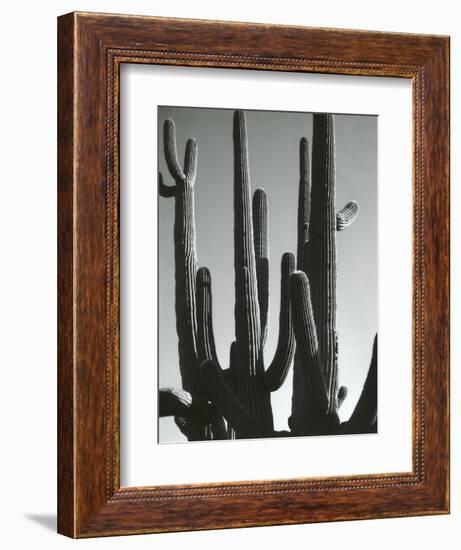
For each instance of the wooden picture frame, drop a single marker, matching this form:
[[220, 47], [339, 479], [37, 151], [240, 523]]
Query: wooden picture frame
[[92, 48]]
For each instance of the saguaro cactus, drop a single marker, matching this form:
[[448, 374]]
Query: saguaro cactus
[[241, 393], [316, 398]]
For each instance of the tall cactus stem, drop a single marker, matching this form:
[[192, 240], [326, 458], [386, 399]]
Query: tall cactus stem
[[261, 238], [321, 249], [304, 200], [244, 255], [185, 254]]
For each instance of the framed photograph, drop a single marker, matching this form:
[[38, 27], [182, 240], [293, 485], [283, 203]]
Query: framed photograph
[[244, 212]]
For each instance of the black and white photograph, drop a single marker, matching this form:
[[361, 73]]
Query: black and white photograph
[[267, 274]]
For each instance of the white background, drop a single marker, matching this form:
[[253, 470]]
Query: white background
[[28, 274], [143, 462]]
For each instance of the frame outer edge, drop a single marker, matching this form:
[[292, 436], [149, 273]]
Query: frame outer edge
[[438, 265], [86, 507], [66, 524]]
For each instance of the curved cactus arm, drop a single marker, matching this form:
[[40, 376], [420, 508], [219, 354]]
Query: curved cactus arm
[[205, 337], [310, 398], [276, 373], [347, 215], [165, 190], [364, 416], [229, 406], [171, 153], [304, 200], [176, 402], [261, 236]]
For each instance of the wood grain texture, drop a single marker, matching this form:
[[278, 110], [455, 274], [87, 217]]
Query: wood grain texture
[[66, 108], [91, 49]]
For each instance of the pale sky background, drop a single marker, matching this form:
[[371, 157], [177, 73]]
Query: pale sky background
[[273, 139]]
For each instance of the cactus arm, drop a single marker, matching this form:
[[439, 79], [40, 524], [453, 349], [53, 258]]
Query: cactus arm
[[205, 337], [364, 416], [175, 402], [347, 215], [342, 395], [215, 427], [227, 403], [304, 200], [276, 373], [306, 338], [190, 159], [320, 260], [171, 154], [165, 190], [260, 236], [310, 403], [189, 414]]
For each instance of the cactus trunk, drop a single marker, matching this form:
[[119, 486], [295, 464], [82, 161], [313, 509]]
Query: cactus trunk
[[320, 254]]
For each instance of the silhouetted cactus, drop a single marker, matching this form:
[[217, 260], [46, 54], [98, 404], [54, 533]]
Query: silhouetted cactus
[[246, 386], [316, 398], [241, 393]]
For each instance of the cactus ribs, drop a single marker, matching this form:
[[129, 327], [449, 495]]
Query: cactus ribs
[[235, 402]]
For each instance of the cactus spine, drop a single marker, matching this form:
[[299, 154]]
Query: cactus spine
[[217, 403]]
